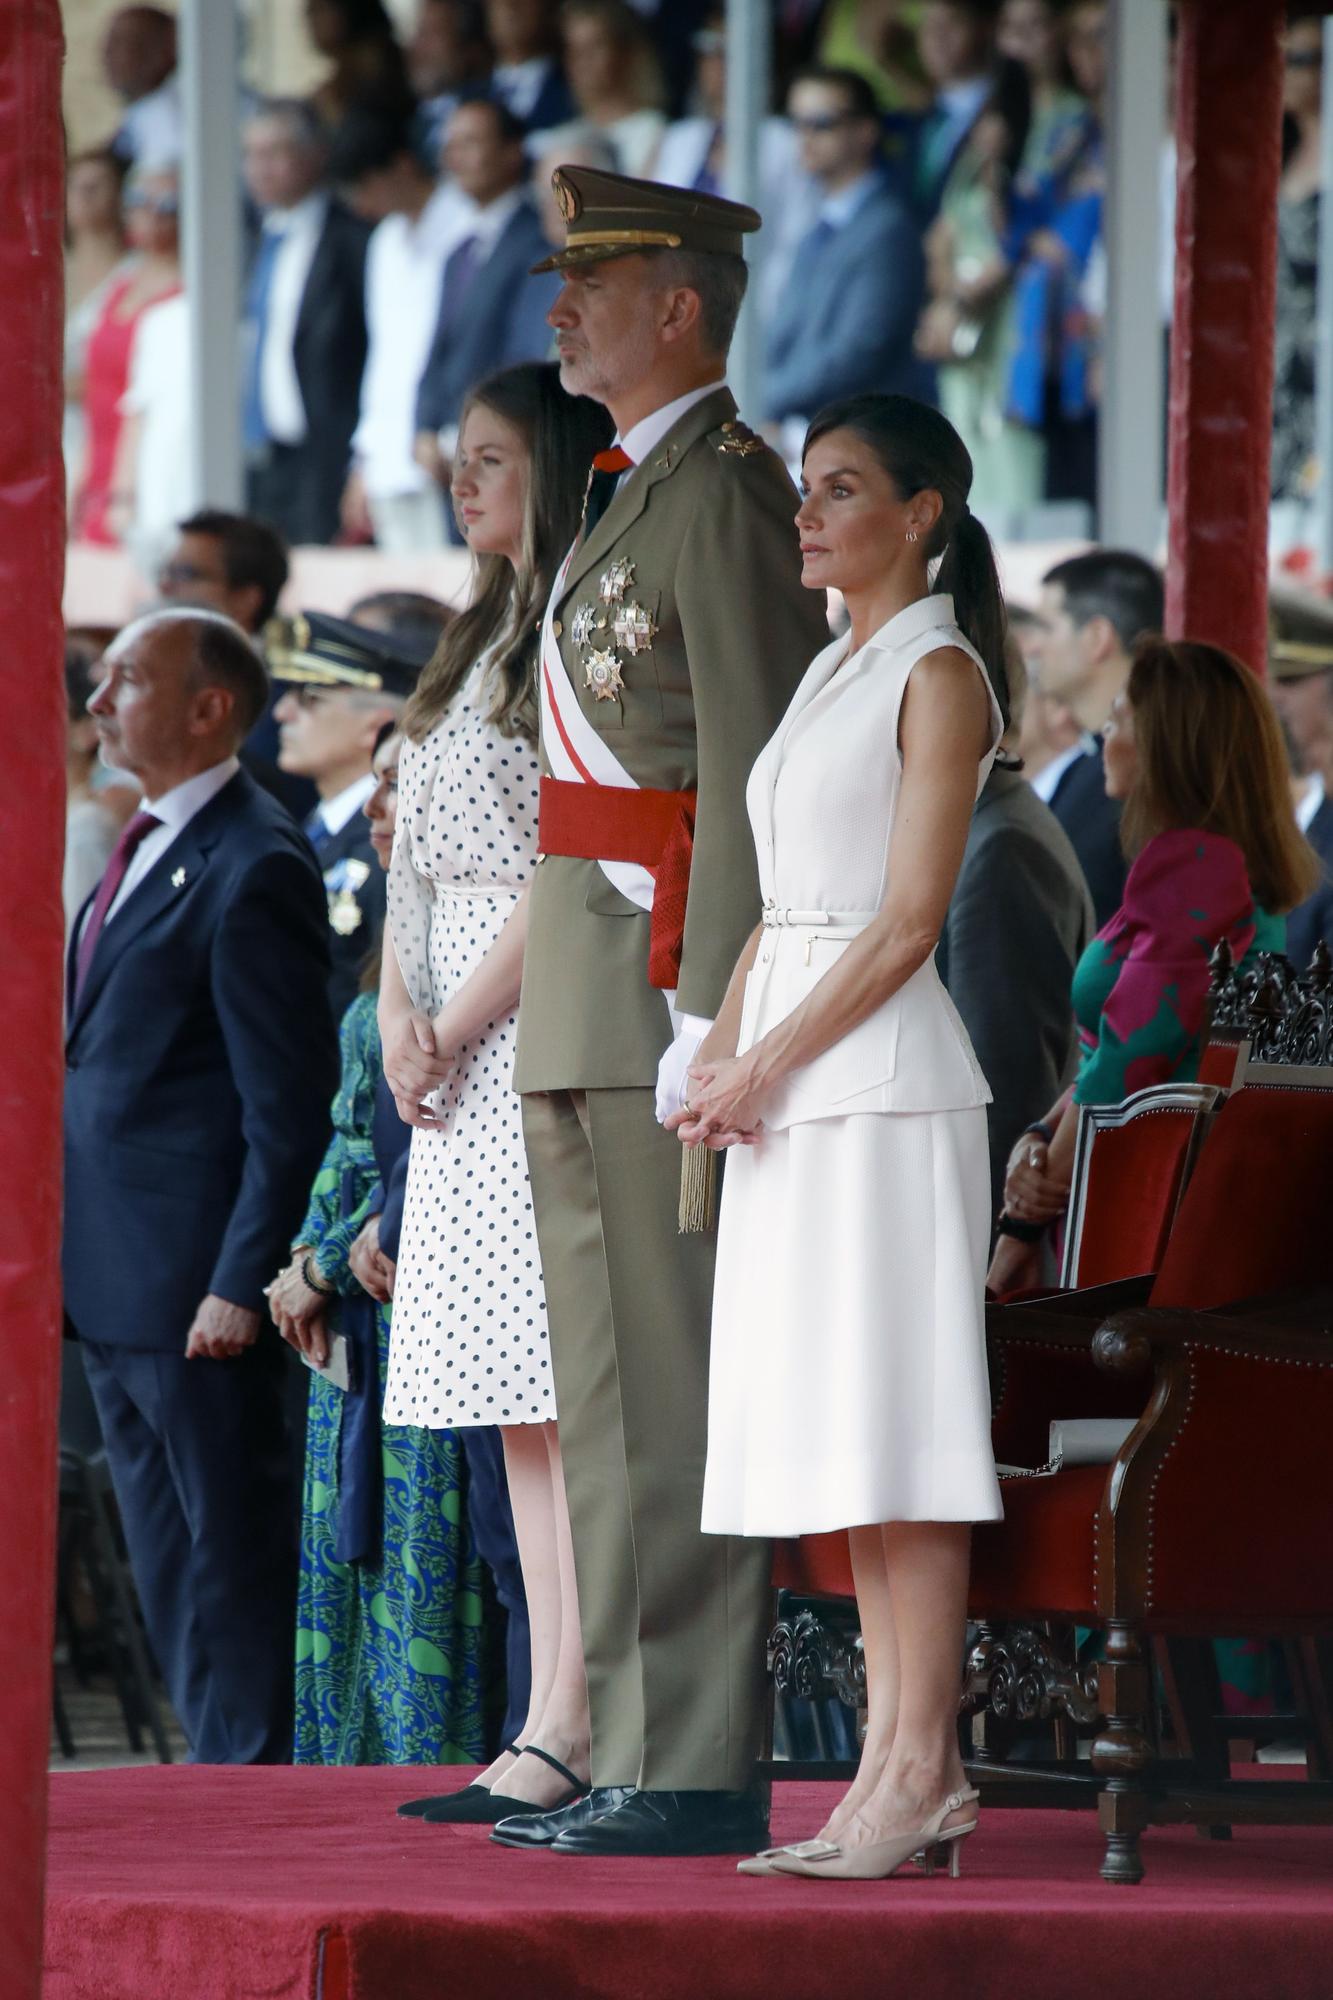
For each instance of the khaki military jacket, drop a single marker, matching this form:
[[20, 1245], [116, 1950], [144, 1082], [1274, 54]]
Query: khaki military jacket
[[707, 525]]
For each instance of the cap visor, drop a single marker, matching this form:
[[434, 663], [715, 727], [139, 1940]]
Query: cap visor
[[585, 253]]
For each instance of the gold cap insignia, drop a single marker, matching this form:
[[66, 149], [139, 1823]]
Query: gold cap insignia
[[566, 195]]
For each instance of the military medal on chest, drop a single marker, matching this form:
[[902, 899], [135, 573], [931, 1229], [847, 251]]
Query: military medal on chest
[[612, 624]]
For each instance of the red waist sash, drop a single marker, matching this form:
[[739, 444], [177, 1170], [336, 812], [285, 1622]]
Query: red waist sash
[[620, 823]]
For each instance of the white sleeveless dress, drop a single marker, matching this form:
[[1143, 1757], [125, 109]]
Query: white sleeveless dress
[[848, 1378], [468, 1340]]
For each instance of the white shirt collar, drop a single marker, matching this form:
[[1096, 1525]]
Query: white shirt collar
[[936, 608], [178, 807], [336, 812], [308, 214], [640, 438], [838, 209], [441, 223], [1311, 799], [1045, 782], [489, 224]]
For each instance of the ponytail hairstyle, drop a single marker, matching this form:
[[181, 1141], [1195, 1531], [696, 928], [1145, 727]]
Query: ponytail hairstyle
[[562, 434], [922, 452]]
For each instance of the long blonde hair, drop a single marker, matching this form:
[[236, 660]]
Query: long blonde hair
[[561, 433]]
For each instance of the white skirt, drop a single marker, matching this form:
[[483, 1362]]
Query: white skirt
[[848, 1378]]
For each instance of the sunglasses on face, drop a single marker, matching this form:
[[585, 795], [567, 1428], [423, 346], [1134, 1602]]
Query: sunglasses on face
[[153, 204], [821, 121]]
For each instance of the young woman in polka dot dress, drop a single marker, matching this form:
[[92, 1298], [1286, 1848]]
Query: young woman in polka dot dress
[[469, 1318]]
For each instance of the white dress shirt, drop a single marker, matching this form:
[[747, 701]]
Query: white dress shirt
[[175, 809], [1310, 801], [336, 812], [280, 399], [404, 267], [1046, 781], [519, 85]]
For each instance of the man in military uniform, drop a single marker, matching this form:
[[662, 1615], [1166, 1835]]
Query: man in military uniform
[[344, 681], [674, 640]]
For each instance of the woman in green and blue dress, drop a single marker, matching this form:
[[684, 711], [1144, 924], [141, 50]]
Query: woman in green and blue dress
[[389, 1611]]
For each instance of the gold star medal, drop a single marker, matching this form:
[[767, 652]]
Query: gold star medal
[[601, 673]]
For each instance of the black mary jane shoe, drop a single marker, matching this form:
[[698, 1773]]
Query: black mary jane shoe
[[489, 1808], [418, 1808], [535, 1830], [672, 1823]]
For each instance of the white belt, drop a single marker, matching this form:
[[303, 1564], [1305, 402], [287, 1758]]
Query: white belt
[[776, 918]]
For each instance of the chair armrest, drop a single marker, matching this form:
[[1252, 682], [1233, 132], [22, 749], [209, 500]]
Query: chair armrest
[[1041, 1359], [1282, 1326]]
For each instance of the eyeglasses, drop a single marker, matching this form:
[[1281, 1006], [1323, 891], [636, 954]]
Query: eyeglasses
[[153, 204], [1304, 59], [821, 121], [180, 575]]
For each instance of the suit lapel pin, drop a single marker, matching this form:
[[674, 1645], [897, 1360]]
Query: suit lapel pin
[[178, 879]]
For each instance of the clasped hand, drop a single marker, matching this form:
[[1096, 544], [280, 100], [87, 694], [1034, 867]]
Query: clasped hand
[[721, 1107], [1030, 1193], [415, 1067]]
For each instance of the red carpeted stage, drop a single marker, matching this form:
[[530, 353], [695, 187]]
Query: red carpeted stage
[[212, 1884]]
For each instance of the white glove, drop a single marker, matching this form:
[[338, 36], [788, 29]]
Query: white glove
[[673, 1070]]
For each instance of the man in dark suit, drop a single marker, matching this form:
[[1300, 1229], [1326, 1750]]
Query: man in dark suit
[[956, 45], [527, 77], [1016, 927], [492, 312], [1093, 609], [306, 326], [844, 321], [344, 682], [1300, 669], [196, 1112], [448, 59]]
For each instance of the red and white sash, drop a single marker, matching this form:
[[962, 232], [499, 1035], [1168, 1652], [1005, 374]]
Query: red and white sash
[[579, 756]]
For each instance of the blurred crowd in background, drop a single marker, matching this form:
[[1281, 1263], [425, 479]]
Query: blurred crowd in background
[[932, 183]]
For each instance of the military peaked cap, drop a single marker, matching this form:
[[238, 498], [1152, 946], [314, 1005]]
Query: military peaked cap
[[609, 215], [333, 652], [1300, 633]]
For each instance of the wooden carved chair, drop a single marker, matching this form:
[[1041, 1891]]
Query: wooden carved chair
[[1216, 1514]]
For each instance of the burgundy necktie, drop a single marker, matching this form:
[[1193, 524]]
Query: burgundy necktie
[[122, 854]]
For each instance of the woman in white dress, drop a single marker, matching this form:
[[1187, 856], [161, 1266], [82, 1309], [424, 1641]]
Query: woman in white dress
[[848, 1383], [469, 1342]]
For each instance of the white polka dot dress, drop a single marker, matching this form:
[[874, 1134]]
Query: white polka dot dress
[[469, 1343]]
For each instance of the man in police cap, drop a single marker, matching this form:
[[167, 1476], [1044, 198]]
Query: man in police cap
[[674, 639], [344, 681], [1300, 667]]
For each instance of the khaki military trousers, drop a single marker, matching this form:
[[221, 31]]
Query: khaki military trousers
[[673, 1620]]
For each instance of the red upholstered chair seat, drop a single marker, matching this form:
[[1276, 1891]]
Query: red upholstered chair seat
[[1038, 1561], [814, 1566], [1218, 1062]]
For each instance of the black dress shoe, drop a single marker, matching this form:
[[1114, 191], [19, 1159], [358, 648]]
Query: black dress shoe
[[489, 1808], [544, 1829], [672, 1823]]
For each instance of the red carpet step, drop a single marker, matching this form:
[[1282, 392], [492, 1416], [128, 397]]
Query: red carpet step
[[222, 1884]]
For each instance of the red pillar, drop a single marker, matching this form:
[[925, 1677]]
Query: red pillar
[[1228, 128], [32, 831]]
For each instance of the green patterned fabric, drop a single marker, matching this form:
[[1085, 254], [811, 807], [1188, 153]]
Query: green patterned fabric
[[388, 1654]]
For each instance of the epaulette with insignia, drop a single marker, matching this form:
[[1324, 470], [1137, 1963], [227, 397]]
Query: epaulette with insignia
[[737, 440]]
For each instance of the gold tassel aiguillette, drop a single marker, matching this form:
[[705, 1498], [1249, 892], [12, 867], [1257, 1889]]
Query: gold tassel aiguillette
[[698, 1191]]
